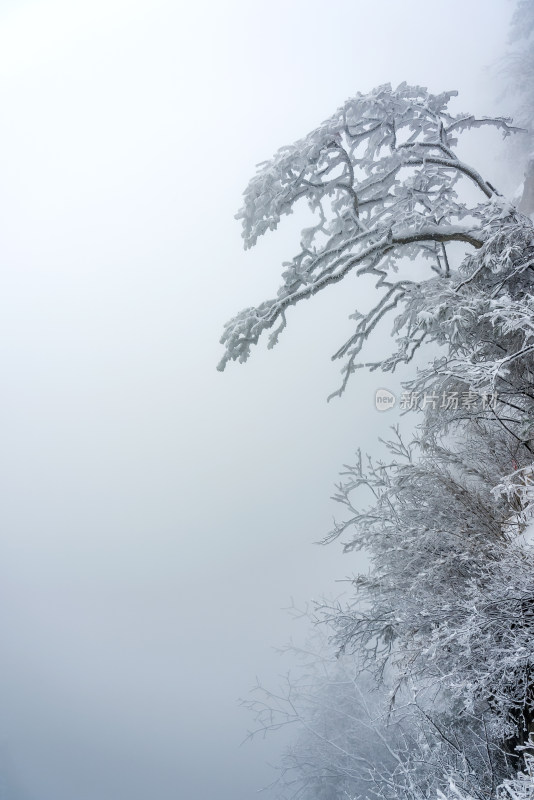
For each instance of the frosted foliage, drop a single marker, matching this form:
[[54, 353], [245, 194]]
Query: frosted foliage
[[517, 489], [521, 787], [384, 184], [343, 744], [444, 617], [352, 742], [448, 604], [483, 322]]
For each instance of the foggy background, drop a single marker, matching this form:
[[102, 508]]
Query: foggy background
[[157, 516]]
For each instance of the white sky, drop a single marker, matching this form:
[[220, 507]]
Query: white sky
[[157, 515]]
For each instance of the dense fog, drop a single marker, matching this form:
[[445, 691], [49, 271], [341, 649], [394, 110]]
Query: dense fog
[[158, 516]]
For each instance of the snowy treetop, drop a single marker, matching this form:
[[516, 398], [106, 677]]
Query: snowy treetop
[[381, 178]]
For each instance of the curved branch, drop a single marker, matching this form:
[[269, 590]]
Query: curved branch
[[246, 328]]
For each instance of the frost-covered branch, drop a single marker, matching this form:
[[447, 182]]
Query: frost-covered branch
[[384, 180]]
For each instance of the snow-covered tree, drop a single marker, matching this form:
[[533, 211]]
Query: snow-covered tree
[[448, 603], [342, 744], [520, 787], [352, 742], [447, 609], [384, 181]]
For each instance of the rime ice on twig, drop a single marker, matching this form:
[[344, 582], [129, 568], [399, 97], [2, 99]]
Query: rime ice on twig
[[382, 176]]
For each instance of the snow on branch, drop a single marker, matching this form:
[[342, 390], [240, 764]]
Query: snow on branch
[[381, 176]]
